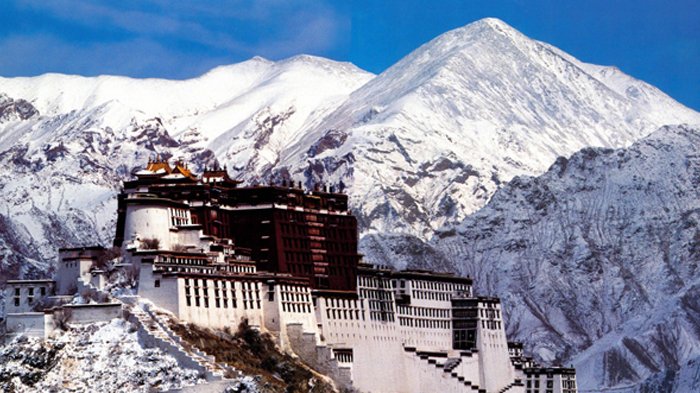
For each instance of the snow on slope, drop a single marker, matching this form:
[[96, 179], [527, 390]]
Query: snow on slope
[[69, 141], [429, 140], [598, 260], [98, 357]]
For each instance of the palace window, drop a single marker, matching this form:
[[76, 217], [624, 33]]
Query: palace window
[[196, 293], [188, 297], [178, 217]]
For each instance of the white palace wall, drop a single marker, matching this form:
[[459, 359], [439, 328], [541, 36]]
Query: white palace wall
[[171, 226], [89, 313], [32, 324], [496, 368], [148, 221], [289, 304], [237, 300], [165, 295], [383, 337], [71, 273]]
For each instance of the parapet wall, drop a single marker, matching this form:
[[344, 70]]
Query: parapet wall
[[89, 313], [32, 324]]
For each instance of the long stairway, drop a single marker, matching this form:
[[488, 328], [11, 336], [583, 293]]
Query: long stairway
[[513, 384], [154, 330], [441, 361]]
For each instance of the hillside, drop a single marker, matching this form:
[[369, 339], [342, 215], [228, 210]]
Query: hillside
[[598, 259]]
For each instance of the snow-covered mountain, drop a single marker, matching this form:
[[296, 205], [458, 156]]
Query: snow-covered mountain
[[429, 140], [67, 142], [598, 261], [420, 147]]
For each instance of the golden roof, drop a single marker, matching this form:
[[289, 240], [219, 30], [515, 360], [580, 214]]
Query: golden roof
[[181, 167], [155, 166]]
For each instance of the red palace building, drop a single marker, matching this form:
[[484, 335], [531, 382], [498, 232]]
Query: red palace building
[[287, 229]]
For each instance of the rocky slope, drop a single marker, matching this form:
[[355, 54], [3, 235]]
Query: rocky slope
[[598, 260], [97, 357]]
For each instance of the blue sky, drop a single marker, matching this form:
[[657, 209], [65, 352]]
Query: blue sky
[[657, 41]]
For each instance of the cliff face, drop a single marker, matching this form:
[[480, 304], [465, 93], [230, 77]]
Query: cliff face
[[597, 259]]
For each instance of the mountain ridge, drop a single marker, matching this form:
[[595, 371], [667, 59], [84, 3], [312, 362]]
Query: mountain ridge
[[421, 147], [472, 102]]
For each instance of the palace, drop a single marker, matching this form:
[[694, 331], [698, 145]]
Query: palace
[[214, 252]]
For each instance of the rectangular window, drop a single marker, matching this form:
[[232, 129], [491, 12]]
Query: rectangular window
[[157, 284]]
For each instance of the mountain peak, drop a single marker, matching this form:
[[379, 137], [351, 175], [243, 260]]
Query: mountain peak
[[490, 22], [483, 30], [306, 60]]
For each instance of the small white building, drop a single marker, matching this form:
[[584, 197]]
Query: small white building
[[23, 295], [74, 268], [32, 304], [550, 380]]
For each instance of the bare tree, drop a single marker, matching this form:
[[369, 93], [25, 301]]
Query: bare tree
[[104, 261], [61, 317], [179, 248], [150, 243]]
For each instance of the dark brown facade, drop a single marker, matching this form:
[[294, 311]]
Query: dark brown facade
[[288, 230], [305, 234]]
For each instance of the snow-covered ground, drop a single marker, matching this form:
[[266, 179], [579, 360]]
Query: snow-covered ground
[[100, 357]]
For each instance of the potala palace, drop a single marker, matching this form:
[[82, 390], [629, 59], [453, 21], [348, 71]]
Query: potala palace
[[214, 252]]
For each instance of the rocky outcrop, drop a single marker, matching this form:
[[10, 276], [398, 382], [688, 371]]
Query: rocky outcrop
[[15, 110]]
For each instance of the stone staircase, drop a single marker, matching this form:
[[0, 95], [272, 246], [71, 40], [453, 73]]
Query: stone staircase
[[441, 361], [516, 383], [154, 331]]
